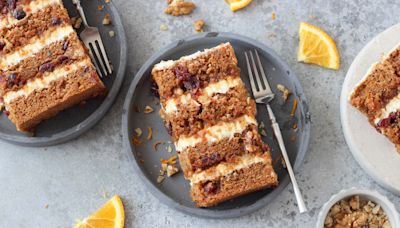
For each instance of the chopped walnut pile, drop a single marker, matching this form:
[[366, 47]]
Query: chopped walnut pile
[[198, 25], [179, 7], [356, 212]]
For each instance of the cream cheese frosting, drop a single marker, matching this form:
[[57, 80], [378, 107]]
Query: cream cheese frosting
[[216, 132], [45, 81], [35, 46]]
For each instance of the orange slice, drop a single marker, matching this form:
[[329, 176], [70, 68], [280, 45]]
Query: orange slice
[[238, 4], [111, 215], [317, 47]]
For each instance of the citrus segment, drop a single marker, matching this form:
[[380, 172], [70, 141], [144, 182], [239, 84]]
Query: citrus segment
[[317, 47]]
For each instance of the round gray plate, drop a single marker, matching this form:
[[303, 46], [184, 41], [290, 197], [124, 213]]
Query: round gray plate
[[76, 120], [174, 191]]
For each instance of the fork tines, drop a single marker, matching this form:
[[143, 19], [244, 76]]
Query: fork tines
[[99, 56], [261, 89]]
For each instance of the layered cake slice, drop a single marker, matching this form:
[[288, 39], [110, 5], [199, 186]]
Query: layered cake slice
[[378, 96], [211, 118], [44, 66]]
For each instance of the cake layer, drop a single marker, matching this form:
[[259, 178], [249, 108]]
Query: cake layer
[[65, 91], [28, 7], [59, 53], [194, 113], [205, 155], [34, 25], [216, 132], [230, 180], [195, 71], [35, 45]]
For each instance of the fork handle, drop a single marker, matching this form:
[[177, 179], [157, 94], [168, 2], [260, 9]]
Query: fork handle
[[81, 12], [278, 135]]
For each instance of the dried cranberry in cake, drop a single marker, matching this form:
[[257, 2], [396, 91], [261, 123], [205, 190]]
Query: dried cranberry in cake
[[391, 119], [182, 73], [192, 83], [56, 21], [211, 187], [19, 14], [12, 80], [49, 66]]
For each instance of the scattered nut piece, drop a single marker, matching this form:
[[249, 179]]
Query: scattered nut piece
[[355, 212], [46, 205], [164, 27], [148, 109], [100, 7], [136, 141], [156, 145], [160, 179], [139, 132], [294, 108], [273, 15], [78, 23], [150, 134], [106, 19], [285, 92], [111, 33], [171, 170], [169, 149], [295, 126], [198, 25], [107, 1], [263, 132], [170, 161], [179, 8], [262, 125]]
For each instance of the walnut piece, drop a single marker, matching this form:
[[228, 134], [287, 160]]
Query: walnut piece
[[179, 8], [198, 25], [285, 92], [356, 212]]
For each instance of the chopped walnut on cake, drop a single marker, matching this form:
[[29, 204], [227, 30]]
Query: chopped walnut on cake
[[198, 25], [179, 7]]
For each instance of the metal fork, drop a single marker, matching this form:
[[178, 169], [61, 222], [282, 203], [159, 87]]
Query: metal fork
[[92, 40], [263, 95]]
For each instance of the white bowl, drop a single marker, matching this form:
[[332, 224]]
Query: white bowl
[[373, 196]]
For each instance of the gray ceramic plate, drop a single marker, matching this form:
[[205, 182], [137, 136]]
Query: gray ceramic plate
[[74, 121], [174, 191]]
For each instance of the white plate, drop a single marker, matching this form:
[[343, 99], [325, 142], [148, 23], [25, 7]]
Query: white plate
[[373, 151]]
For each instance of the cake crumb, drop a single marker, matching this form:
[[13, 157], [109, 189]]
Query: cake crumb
[[179, 7], [285, 92], [160, 179], [100, 7], [136, 141], [170, 161], [164, 27], [169, 149], [46, 205], [111, 33], [273, 15], [150, 133], [198, 25], [171, 170], [139, 132], [148, 109], [156, 145], [107, 1], [262, 125], [263, 132], [295, 126], [106, 19], [77, 23]]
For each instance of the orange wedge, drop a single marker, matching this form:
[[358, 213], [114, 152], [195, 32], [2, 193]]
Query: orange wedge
[[111, 215], [317, 47], [238, 4]]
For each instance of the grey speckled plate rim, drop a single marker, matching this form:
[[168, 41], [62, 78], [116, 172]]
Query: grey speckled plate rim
[[97, 115], [203, 212]]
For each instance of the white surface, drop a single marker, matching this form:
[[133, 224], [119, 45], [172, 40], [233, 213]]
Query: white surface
[[373, 151], [373, 196]]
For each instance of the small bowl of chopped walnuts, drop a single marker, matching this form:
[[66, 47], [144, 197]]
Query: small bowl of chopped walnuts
[[358, 208]]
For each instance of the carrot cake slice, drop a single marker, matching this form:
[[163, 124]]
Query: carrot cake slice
[[44, 66], [211, 118], [378, 96]]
